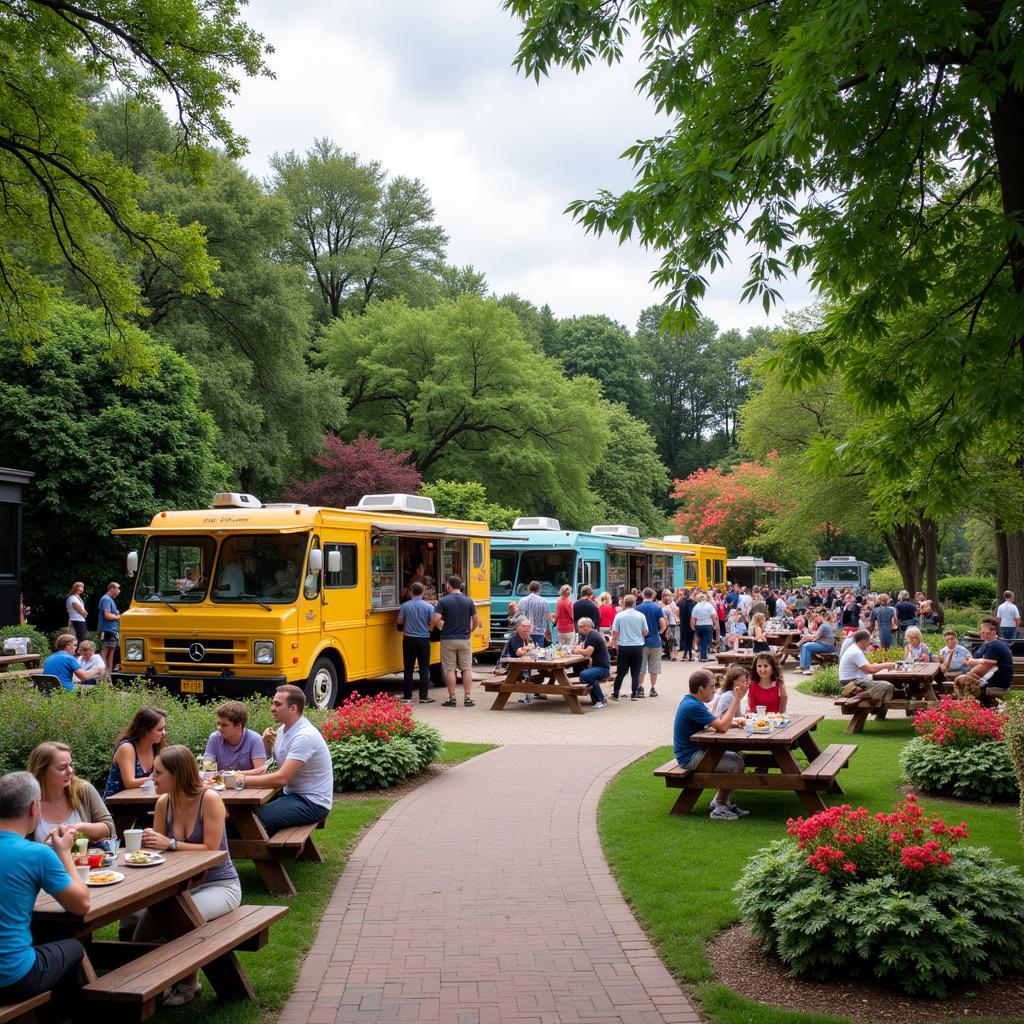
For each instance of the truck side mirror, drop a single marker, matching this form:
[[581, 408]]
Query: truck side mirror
[[132, 563], [316, 560], [334, 561]]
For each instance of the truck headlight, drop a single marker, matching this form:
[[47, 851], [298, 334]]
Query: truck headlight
[[264, 652], [134, 649]]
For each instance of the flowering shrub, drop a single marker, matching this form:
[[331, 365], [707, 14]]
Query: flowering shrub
[[960, 752], [375, 742], [377, 718], [960, 723], [893, 896]]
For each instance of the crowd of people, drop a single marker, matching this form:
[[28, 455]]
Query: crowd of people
[[44, 808]]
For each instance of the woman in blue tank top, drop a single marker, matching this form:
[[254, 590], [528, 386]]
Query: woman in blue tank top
[[188, 816]]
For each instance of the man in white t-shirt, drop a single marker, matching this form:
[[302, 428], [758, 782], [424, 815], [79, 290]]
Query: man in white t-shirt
[[304, 766], [1008, 616], [745, 602], [854, 668]]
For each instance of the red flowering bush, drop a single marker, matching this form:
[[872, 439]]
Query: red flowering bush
[[960, 723], [896, 897], [376, 718], [851, 844]]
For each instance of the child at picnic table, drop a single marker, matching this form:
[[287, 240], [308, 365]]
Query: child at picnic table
[[735, 674], [951, 657], [917, 649], [189, 816], [767, 688]]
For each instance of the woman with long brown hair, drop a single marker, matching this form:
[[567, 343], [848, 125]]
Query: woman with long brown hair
[[188, 816], [65, 799], [135, 750]]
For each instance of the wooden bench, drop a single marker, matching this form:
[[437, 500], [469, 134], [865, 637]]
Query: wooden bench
[[137, 985], [826, 659], [860, 707], [298, 838], [822, 771], [25, 1011], [571, 692]]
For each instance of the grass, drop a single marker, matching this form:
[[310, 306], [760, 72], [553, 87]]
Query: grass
[[678, 872], [275, 968]]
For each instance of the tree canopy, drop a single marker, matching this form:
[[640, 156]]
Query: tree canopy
[[456, 499], [69, 206]]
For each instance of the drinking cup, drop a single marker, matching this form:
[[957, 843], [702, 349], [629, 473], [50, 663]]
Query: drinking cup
[[95, 860], [83, 872], [761, 709], [149, 786], [229, 780], [133, 839]]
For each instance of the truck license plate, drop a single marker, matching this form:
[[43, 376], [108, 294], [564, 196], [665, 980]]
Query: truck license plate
[[192, 686]]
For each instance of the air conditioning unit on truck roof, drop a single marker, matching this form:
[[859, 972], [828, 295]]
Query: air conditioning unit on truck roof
[[616, 530], [676, 538], [536, 523], [233, 499], [415, 504]]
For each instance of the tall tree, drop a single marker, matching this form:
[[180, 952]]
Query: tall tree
[[66, 204], [105, 453], [358, 236], [467, 499], [459, 387]]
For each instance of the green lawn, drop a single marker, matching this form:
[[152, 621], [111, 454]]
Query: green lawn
[[678, 872], [275, 968]]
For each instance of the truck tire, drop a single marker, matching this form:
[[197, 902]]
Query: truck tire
[[321, 688]]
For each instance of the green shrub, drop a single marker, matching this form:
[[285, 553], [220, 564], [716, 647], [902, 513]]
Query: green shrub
[[826, 682], [886, 578], [858, 895], [801, 581], [361, 763], [1014, 733], [961, 590], [428, 744], [981, 772]]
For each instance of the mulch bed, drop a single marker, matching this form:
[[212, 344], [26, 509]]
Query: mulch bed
[[395, 792], [739, 962]]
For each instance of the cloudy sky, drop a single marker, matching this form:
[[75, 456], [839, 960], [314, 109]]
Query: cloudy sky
[[428, 89]]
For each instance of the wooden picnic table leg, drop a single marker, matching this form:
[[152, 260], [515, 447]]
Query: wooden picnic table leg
[[787, 763], [514, 674], [858, 718], [559, 677], [272, 872], [687, 800]]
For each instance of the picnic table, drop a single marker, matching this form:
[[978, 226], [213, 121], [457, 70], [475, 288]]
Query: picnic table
[[252, 841], [540, 670], [19, 659], [140, 971], [785, 642], [914, 691], [742, 657], [770, 755]]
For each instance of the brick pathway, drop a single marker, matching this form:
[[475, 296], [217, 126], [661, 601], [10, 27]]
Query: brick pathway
[[484, 897]]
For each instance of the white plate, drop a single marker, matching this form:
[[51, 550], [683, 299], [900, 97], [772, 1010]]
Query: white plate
[[118, 877], [154, 859]]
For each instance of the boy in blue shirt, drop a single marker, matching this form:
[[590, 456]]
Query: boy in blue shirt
[[692, 715], [63, 664], [25, 868]]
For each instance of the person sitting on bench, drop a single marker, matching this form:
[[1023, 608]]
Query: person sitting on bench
[[991, 668], [304, 766], [25, 868], [855, 672]]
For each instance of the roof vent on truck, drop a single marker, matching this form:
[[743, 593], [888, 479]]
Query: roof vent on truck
[[676, 538], [415, 504], [536, 523], [616, 530], [233, 499]]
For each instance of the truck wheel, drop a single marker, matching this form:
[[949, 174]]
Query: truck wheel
[[321, 688]]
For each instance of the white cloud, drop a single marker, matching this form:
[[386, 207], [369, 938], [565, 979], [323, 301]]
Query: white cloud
[[428, 89]]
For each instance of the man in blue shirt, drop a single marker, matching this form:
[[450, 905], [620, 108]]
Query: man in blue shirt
[[655, 616], [628, 632], [109, 625], [414, 622], [25, 869], [63, 664], [692, 716]]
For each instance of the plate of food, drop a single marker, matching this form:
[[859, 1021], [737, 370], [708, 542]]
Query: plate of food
[[105, 877], [143, 858]]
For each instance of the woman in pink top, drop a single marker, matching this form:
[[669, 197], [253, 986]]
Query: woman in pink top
[[564, 624]]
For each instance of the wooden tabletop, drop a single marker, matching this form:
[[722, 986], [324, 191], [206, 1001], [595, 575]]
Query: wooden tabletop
[[927, 671], [788, 736], [141, 888], [18, 659], [572, 659], [743, 657], [252, 796]]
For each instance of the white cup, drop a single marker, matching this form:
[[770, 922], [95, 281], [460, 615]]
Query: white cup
[[149, 786], [761, 709], [229, 780], [83, 873], [132, 839]]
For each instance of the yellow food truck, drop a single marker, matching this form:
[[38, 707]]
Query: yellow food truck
[[242, 597]]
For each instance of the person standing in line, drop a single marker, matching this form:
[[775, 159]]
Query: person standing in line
[[607, 613], [686, 605], [651, 659], [885, 615], [109, 625], [906, 610], [565, 626], [670, 638], [76, 610], [414, 618], [1008, 615], [26, 970], [587, 608], [628, 633], [455, 615], [535, 608], [704, 623]]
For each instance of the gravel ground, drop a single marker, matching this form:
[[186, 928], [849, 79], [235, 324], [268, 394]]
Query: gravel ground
[[647, 721]]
